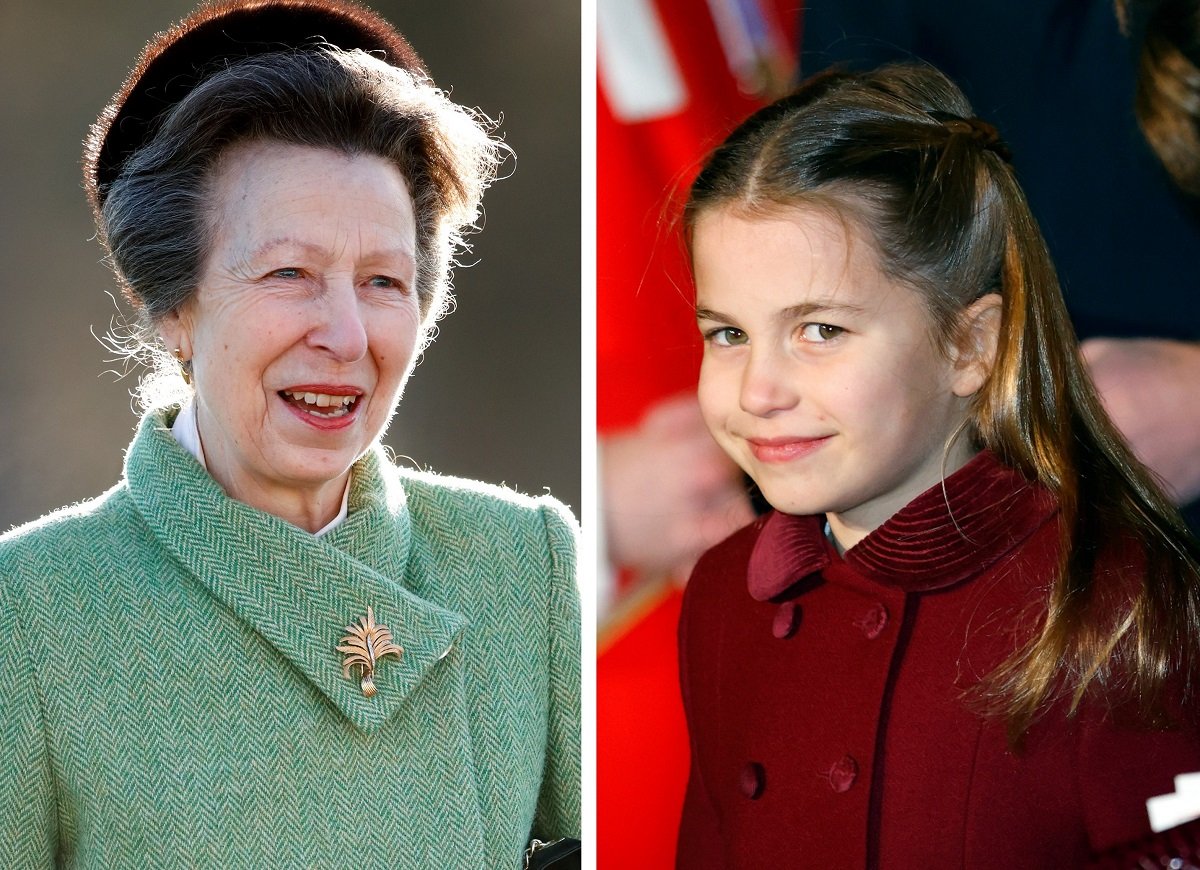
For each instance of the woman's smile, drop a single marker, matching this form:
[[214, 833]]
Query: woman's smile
[[321, 406]]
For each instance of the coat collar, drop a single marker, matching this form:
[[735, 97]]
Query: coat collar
[[297, 591], [950, 533]]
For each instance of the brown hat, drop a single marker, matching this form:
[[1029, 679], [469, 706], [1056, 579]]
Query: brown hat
[[223, 30]]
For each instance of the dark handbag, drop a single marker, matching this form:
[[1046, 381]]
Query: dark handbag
[[561, 854]]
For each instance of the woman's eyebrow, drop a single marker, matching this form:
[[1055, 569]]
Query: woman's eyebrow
[[398, 253], [285, 242]]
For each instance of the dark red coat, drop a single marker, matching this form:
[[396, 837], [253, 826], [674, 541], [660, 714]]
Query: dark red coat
[[827, 698]]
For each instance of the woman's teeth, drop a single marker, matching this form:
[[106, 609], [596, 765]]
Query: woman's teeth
[[309, 402]]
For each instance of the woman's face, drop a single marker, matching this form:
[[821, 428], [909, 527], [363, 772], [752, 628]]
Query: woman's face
[[305, 322], [820, 375]]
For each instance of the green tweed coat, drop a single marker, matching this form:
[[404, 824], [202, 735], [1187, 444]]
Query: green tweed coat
[[171, 694]]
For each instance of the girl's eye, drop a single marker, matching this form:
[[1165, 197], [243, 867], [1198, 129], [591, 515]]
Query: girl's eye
[[726, 336], [818, 333]]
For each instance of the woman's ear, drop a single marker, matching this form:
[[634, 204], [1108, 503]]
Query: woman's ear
[[975, 347], [176, 334]]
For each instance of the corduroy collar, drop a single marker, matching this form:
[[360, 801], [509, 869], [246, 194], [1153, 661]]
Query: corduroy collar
[[297, 591], [947, 534]]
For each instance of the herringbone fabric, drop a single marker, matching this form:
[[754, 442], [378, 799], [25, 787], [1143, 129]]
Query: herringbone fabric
[[171, 696]]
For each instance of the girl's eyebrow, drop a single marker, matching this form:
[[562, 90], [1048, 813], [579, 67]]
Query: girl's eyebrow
[[706, 314], [815, 306], [803, 309]]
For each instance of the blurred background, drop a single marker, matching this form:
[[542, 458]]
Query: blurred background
[[496, 396]]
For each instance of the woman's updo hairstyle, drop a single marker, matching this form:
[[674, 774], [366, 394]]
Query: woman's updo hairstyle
[[326, 74]]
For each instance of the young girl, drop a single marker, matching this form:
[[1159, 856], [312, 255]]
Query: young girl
[[965, 636]]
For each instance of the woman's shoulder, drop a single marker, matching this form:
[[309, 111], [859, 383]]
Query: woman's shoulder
[[65, 529], [456, 523], [61, 553], [467, 501]]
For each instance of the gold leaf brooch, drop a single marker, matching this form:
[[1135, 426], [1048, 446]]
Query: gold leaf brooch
[[365, 644]]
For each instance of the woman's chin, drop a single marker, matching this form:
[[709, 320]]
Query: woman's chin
[[309, 452]]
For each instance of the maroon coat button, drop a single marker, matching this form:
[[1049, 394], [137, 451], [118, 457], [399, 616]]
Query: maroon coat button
[[842, 775], [873, 622], [787, 620], [754, 780]]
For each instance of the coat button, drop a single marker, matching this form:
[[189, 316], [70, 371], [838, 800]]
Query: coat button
[[842, 775], [787, 620], [873, 622], [754, 780]]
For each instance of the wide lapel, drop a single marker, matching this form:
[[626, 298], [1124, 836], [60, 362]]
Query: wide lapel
[[297, 591]]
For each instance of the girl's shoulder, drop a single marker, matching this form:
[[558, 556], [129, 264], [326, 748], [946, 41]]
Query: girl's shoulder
[[719, 578]]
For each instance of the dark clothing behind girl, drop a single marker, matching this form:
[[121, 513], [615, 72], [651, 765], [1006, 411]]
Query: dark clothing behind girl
[[1058, 80]]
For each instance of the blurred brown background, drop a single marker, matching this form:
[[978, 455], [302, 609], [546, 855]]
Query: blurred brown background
[[497, 396]]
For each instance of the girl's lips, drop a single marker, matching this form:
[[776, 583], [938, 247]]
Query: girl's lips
[[784, 449]]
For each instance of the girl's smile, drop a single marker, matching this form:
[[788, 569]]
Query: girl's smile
[[821, 375], [784, 449]]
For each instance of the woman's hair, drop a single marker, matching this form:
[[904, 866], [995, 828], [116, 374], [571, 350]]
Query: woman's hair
[[157, 218], [899, 151]]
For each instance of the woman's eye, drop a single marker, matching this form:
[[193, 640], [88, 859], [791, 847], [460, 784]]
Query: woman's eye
[[818, 333], [384, 282], [289, 273], [726, 336]]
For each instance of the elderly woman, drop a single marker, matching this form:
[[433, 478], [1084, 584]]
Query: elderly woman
[[266, 645]]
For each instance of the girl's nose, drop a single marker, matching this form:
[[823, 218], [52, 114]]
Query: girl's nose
[[768, 386], [342, 329]]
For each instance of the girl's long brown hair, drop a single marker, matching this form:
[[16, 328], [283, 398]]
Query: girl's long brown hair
[[899, 150]]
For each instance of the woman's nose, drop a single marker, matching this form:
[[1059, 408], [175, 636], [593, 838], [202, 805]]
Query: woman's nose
[[768, 385], [342, 329]]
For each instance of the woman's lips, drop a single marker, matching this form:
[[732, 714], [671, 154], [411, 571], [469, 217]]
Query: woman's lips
[[323, 406], [784, 449]]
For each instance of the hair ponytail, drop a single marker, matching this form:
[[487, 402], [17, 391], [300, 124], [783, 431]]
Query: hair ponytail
[[899, 149], [1040, 412]]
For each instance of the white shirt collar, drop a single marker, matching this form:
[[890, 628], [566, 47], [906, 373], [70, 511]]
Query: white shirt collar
[[187, 433]]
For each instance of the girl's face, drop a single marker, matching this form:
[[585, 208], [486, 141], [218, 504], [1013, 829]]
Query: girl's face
[[821, 376]]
